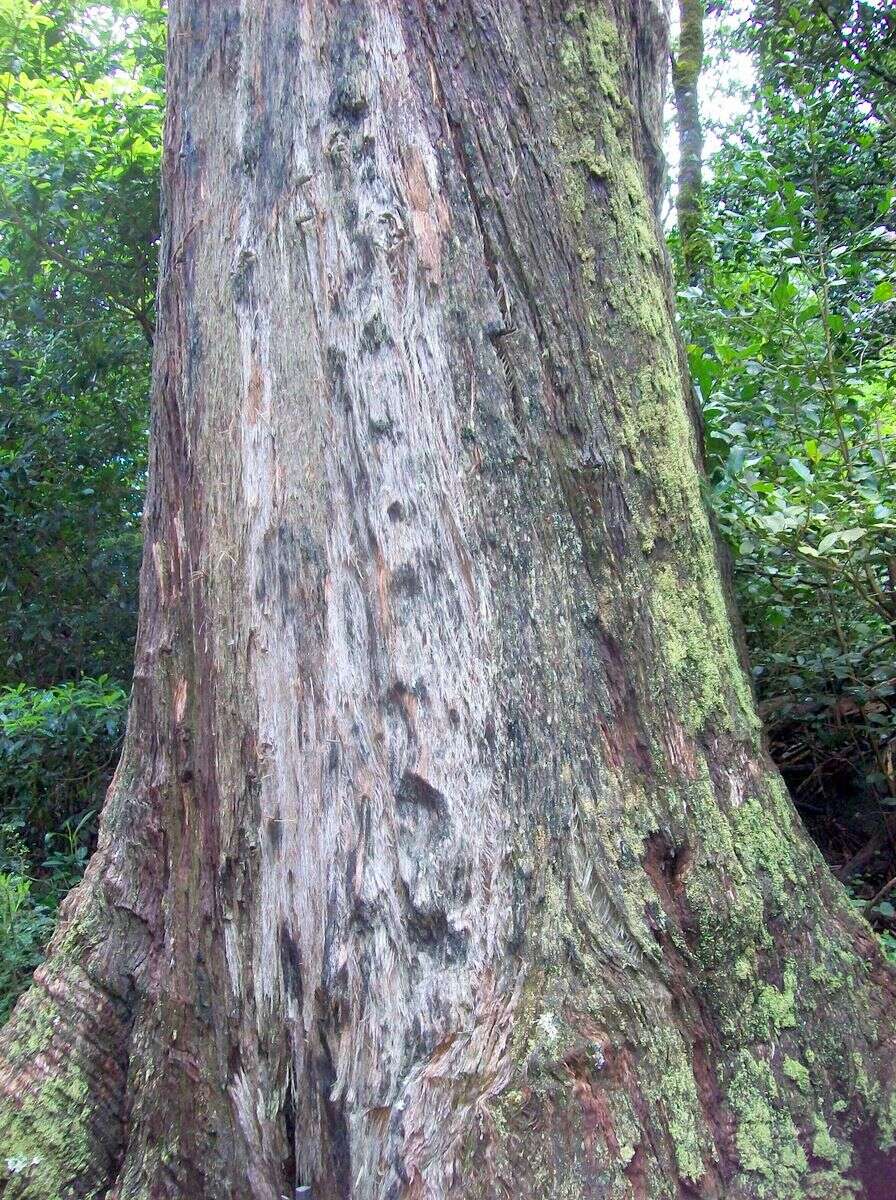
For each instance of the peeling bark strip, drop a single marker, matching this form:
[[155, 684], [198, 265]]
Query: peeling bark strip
[[444, 859]]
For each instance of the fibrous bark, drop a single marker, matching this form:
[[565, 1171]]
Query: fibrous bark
[[443, 859]]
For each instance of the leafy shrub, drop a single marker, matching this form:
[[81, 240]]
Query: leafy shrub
[[58, 747], [80, 143], [25, 927], [791, 332], [29, 899], [800, 411]]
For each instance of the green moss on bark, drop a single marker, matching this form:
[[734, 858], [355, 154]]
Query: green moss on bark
[[766, 1138], [47, 1141]]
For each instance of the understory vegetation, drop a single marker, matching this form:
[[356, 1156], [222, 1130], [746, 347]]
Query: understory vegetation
[[787, 301], [788, 308], [80, 135]]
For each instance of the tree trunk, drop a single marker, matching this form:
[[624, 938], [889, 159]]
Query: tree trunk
[[686, 69], [443, 859]]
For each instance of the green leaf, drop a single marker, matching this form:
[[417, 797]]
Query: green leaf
[[851, 535]]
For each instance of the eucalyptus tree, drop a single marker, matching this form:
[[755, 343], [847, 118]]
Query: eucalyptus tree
[[443, 858]]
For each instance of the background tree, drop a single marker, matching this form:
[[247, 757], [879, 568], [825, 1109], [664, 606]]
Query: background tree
[[687, 63], [443, 857]]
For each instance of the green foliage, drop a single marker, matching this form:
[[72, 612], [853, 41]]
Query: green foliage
[[79, 154], [848, 45], [791, 346], [57, 749], [25, 926], [81, 94], [71, 482], [30, 899], [80, 136]]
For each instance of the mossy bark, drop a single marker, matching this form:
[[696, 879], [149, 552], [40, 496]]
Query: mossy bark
[[444, 859], [687, 65]]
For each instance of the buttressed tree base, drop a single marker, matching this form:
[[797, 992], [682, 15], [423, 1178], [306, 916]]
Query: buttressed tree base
[[443, 859]]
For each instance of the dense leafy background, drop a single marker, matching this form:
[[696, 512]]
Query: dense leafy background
[[791, 344], [81, 94], [80, 118], [58, 747], [790, 326]]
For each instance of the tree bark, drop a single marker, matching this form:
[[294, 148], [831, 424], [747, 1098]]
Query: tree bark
[[687, 66], [444, 859]]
